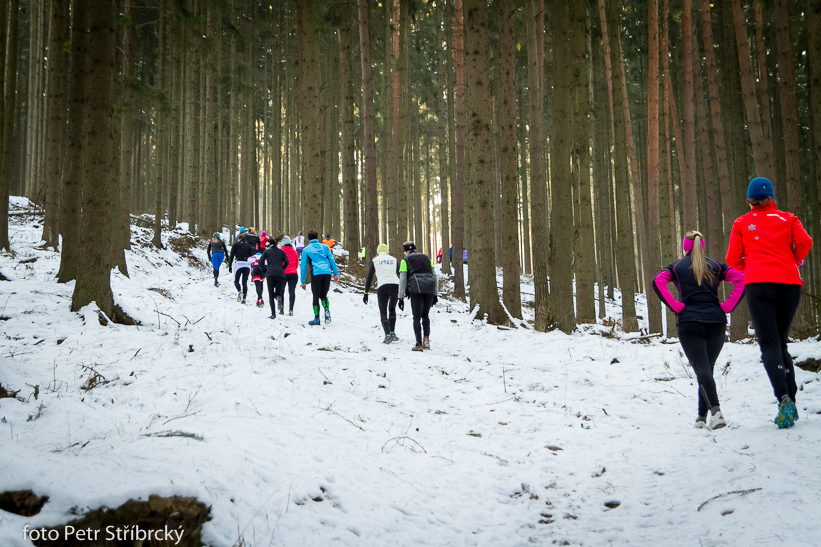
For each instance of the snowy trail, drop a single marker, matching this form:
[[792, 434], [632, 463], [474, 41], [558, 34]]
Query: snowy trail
[[325, 436]]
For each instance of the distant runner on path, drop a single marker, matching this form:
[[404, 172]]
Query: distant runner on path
[[418, 281], [241, 251], [386, 269], [216, 254]]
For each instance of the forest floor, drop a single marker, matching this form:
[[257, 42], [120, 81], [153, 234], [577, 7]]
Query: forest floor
[[312, 436]]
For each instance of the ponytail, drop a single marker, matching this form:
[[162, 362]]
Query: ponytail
[[701, 270]]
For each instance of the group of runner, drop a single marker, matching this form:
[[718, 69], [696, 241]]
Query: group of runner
[[276, 260], [767, 248]]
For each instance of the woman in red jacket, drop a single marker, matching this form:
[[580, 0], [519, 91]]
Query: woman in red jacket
[[768, 246]]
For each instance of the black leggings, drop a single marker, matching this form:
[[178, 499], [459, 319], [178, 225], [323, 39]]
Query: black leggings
[[291, 280], [772, 308], [276, 286], [258, 285], [420, 306], [387, 295], [242, 272], [702, 342], [320, 285]]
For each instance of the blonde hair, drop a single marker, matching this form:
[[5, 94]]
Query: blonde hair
[[701, 270]]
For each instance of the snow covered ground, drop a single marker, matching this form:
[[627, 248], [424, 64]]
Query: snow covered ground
[[312, 436]]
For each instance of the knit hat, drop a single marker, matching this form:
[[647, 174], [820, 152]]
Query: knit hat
[[263, 234], [286, 241], [760, 188], [409, 246], [242, 229], [382, 248]]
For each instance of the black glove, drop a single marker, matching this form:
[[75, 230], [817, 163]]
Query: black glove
[[402, 305], [365, 298]]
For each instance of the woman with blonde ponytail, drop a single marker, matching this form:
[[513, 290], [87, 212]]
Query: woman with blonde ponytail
[[700, 316]]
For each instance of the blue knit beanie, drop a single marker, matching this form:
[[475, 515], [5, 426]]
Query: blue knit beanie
[[760, 188]]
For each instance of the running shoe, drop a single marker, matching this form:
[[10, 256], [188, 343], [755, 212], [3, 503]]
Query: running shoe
[[387, 339], [291, 313], [314, 321], [717, 421], [700, 424], [239, 297], [418, 347], [786, 411], [426, 343], [394, 338], [327, 315]]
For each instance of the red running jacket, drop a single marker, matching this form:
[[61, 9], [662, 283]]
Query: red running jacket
[[768, 245]]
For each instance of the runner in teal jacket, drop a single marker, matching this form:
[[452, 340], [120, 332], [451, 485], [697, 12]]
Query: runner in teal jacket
[[323, 265]]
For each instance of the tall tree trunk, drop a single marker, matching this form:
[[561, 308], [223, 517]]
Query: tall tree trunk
[[508, 158], [160, 130], [667, 213], [391, 126], [419, 236], [349, 181], [564, 142], [814, 63], [763, 155], [57, 72], [538, 191], [688, 147], [763, 86], [458, 182], [94, 280], [123, 204], [653, 260], [71, 202], [404, 144], [601, 180], [523, 177], [789, 107], [720, 148], [8, 94], [626, 256], [442, 76], [310, 114], [370, 195], [209, 221], [484, 297]]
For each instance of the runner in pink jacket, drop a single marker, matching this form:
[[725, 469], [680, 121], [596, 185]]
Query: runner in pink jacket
[[291, 275]]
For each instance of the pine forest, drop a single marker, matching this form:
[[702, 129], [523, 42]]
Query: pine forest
[[572, 141]]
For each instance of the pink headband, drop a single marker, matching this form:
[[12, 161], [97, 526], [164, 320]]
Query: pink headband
[[687, 244]]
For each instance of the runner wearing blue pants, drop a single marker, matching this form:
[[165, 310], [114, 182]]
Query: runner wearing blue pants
[[216, 254]]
